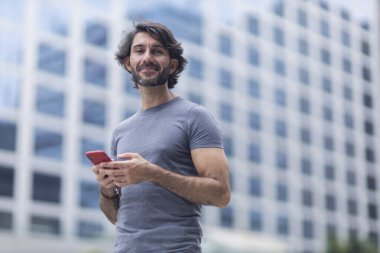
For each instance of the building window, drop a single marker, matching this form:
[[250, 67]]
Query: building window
[[94, 112], [278, 8], [351, 178], [327, 113], [371, 183], [227, 219], [370, 155], [194, 97], [279, 37], [225, 45], [96, 33], [13, 10], [281, 192], [8, 135], [303, 47], [253, 25], [366, 74], [345, 15], [307, 198], [324, 29], [254, 153], [303, 76], [48, 144], [282, 225], [95, 72], [350, 149], [196, 68], [129, 85], [352, 207], [89, 194], [228, 146], [6, 220], [347, 65], [50, 101], [308, 229], [306, 166], [256, 221], [225, 78], [372, 211], [253, 56], [347, 93], [11, 48], [365, 48], [279, 67], [280, 97], [304, 105], [325, 56], [89, 145], [281, 128], [330, 202], [254, 89], [302, 18], [348, 120], [7, 177], [46, 188], [368, 127], [281, 160], [326, 85], [51, 59], [226, 112], [255, 187], [305, 135], [89, 229], [10, 90], [54, 18], [328, 142], [45, 225], [367, 100], [345, 39], [329, 172], [254, 119]]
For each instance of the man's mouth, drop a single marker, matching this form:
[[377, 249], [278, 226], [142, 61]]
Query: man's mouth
[[149, 68]]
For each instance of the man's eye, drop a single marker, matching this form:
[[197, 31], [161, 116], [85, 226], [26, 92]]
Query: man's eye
[[158, 52]]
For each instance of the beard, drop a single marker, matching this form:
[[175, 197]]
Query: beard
[[161, 79]]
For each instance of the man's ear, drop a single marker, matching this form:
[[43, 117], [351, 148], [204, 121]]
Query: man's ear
[[173, 65], [127, 64]]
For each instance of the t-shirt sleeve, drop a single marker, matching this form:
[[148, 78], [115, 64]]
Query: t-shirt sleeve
[[203, 130]]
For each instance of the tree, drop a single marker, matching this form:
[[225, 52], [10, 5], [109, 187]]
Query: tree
[[352, 245]]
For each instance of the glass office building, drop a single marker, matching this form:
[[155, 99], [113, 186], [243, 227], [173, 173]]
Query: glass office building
[[294, 85]]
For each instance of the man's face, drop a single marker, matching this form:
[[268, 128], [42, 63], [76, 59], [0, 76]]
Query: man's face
[[149, 61]]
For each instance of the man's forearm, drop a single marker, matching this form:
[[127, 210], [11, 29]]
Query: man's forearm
[[109, 203], [200, 190]]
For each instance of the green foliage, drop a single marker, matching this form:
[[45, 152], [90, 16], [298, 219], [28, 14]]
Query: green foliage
[[352, 245]]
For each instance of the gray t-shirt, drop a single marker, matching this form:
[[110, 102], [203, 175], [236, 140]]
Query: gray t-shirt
[[152, 218]]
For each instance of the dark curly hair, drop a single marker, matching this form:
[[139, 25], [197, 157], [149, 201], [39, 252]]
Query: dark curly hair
[[160, 33]]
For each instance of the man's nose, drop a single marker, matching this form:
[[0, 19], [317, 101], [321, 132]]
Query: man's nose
[[147, 56]]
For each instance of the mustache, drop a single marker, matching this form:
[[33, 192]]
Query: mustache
[[148, 65]]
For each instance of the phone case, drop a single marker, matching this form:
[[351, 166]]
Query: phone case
[[98, 156]]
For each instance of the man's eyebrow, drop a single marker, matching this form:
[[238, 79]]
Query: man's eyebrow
[[154, 45]]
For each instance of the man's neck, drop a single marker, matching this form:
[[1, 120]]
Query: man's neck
[[154, 96]]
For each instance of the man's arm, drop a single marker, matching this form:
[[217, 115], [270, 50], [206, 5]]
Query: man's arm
[[109, 203], [211, 187], [109, 194]]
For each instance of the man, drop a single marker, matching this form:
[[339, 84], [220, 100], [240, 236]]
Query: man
[[168, 157]]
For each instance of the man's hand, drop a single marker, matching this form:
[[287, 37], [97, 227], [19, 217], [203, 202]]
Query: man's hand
[[103, 179], [133, 170]]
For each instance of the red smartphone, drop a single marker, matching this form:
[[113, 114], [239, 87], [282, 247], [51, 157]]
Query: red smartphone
[[98, 156]]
